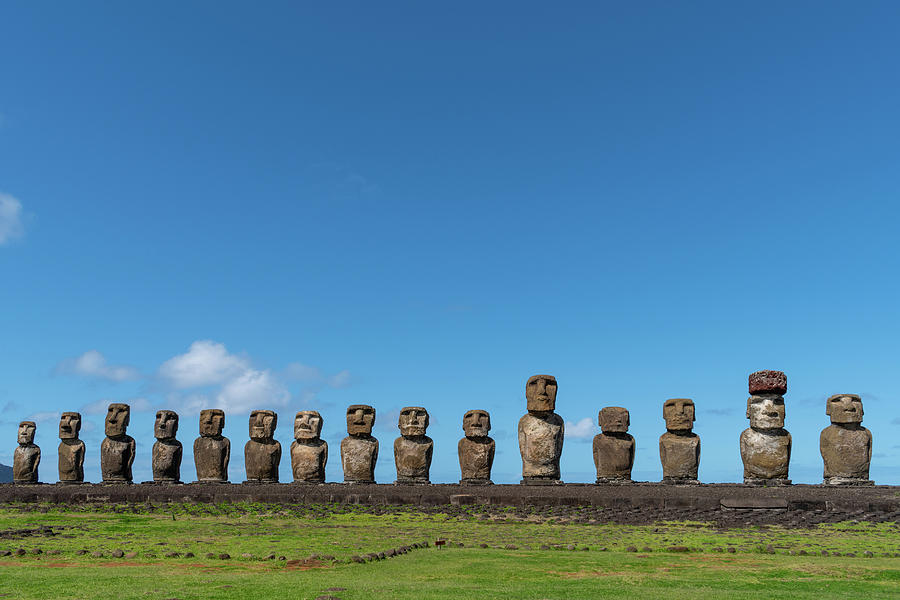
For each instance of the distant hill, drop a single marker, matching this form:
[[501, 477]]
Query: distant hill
[[5, 474]]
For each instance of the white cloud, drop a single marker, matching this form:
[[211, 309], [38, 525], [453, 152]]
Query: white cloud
[[98, 407], [299, 372], [252, 389], [340, 380], [43, 417], [205, 363], [583, 429], [10, 219], [93, 364]]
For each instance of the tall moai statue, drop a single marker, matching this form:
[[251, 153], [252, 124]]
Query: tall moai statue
[[541, 432], [766, 445], [167, 450], [118, 448], [476, 450], [679, 446], [613, 446], [846, 445], [27, 456], [359, 450], [71, 449], [262, 454], [309, 452], [212, 451], [413, 449]]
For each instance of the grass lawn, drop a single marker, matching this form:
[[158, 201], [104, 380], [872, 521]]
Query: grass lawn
[[302, 551]]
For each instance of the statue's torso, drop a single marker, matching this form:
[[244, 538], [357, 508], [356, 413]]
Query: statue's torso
[[413, 456], [680, 455], [846, 452], [261, 460], [211, 457], [308, 460], [358, 457], [71, 461], [116, 456], [540, 444], [476, 458], [613, 456], [766, 455], [25, 463]]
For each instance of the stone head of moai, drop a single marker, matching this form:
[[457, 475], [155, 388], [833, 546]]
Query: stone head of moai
[[360, 419], [262, 425], [166, 425], [69, 425], [413, 421], [844, 409], [765, 406], [540, 393], [26, 433], [477, 423], [212, 422], [117, 418], [614, 419], [679, 414], [307, 425]]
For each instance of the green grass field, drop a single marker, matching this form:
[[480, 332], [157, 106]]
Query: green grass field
[[303, 552]]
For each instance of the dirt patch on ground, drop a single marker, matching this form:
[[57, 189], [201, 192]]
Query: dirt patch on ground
[[304, 565]]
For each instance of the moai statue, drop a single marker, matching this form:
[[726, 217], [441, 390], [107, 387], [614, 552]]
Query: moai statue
[[71, 449], [27, 456], [541, 432], [167, 450], [766, 445], [679, 447], [262, 453], [117, 450], [309, 452], [476, 450], [412, 450], [212, 451], [359, 450], [613, 446], [846, 445]]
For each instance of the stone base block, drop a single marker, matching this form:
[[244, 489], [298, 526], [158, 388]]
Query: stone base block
[[847, 481], [540, 481], [679, 481], [308, 481], [211, 481], [116, 481], [412, 481], [475, 482], [72, 482], [765, 482], [259, 481], [359, 481], [162, 482], [613, 480], [26, 482]]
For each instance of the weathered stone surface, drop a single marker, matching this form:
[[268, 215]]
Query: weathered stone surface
[[476, 450], [212, 451], [413, 449], [167, 451], [118, 448], [359, 450], [309, 453], [766, 445], [614, 446], [845, 445], [679, 447], [27, 456], [541, 431], [768, 382], [262, 454], [71, 449]]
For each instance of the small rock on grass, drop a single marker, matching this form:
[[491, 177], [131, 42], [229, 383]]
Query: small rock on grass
[[210, 555], [224, 556], [679, 549], [5, 553], [732, 549], [328, 597], [246, 555], [96, 554], [511, 547], [482, 545], [631, 549], [81, 552], [189, 555], [131, 555], [118, 553], [37, 551]]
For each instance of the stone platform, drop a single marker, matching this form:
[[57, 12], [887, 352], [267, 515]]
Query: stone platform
[[880, 499]]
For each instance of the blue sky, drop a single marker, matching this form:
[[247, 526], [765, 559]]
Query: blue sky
[[305, 207]]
